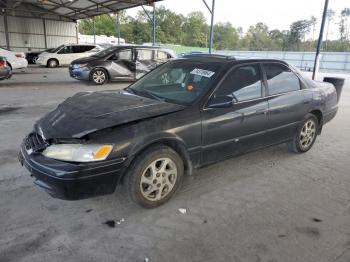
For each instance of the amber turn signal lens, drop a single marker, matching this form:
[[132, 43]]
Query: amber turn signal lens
[[103, 152]]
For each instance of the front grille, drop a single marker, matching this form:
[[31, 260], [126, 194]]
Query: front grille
[[34, 142]]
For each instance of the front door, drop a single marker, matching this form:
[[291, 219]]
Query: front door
[[238, 127], [122, 65], [66, 55]]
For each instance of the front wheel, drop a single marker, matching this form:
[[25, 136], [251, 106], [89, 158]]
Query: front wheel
[[306, 135], [52, 63], [99, 76], [154, 176]]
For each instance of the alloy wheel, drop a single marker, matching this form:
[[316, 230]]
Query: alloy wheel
[[307, 134], [158, 179], [99, 77]]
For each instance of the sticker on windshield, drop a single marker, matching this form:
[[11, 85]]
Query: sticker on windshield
[[202, 72]]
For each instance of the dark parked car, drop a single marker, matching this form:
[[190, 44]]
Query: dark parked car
[[125, 63], [5, 69], [185, 114], [33, 56]]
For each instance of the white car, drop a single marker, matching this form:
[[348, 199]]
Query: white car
[[15, 60], [65, 54]]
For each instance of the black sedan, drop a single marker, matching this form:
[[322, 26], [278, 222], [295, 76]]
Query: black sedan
[[184, 114], [119, 63], [33, 56], [5, 69]]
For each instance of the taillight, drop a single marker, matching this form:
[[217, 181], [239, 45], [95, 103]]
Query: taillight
[[3, 63], [19, 55]]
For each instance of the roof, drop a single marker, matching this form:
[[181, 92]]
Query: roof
[[228, 58], [210, 56], [74, 9]]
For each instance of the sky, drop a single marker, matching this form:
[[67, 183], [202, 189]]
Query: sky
[[277, 14]]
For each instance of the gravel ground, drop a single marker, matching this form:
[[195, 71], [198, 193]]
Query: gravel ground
[[269, 205]]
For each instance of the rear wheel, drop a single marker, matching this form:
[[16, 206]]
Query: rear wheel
[[306, 135], [99, 76], [154, 176], [52, 63]]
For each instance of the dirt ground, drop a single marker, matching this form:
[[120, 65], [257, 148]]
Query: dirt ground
[[269, 205]]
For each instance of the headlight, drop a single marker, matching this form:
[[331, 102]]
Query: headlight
[[78, 152], [80, 65]]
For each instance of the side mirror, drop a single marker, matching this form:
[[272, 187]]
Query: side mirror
[[220, 102]]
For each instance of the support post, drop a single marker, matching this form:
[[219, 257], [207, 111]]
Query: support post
[[94, 27], [6, 32], [211, 11], [212, 27], [154, 24], [153, 21], [45, 33], [118, 28], [77, 31], [319, 43]]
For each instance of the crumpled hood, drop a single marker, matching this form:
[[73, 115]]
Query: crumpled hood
[[84, 60], [87, 112]]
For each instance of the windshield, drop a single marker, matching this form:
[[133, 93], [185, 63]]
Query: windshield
[[179, 82], [55, 50], [105, 52]]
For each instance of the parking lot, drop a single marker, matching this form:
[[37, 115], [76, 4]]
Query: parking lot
[[270, 205]]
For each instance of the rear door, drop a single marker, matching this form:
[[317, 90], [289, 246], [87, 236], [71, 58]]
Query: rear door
[[240, 127], [145, 61], [288, 101], [122, 65]]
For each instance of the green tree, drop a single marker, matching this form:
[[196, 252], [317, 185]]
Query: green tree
[[330, 16], [257, 38], [343, 25], [195, 30], [298, 31], [313, 22], [226, 36]]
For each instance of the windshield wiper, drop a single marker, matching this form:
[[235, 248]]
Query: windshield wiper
[[155, 96], [145, 93]]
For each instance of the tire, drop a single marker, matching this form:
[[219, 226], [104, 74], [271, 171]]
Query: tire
[[154, 176], [306, 135], [34, 59], [99, 76], [52, 63]]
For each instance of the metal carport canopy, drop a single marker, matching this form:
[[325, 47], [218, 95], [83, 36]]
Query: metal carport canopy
[[76, 9]]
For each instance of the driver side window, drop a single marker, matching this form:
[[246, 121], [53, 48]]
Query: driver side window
[[241, 84], [122, 55]]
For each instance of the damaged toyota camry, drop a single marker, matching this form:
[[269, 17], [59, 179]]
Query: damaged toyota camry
[[185, 114]]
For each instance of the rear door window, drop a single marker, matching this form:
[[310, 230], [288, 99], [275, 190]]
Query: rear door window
[[242, 84], [78, 49], [83, 48], [280, 79], [144, 54], [162, 55]]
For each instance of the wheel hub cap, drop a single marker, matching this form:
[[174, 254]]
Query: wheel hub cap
[[307, 134], [99, 77], [158, 179]]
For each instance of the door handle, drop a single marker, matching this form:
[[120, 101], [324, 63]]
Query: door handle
[[261, 111]]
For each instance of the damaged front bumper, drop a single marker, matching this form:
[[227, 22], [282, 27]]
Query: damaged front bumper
[[72, 181], [80, 73]]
